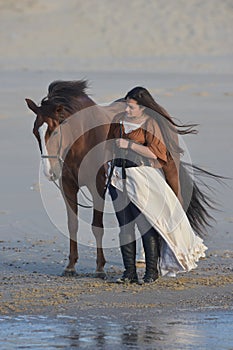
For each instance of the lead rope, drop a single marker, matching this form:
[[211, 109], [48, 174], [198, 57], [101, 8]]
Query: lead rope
[[59, 187], [122, 156]]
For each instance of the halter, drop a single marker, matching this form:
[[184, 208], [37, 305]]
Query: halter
[[62, 163], [57, 156]]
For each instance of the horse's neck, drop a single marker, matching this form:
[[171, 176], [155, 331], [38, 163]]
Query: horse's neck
[[88, 128]]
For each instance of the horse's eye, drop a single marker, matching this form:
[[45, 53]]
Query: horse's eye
[[55, 133]]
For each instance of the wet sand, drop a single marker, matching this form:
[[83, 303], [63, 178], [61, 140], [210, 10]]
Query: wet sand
[[193, 331]]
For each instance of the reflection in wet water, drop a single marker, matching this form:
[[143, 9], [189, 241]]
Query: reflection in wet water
[[186, 331]]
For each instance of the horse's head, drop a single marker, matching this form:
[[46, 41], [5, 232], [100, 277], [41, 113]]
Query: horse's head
[[48, 131]]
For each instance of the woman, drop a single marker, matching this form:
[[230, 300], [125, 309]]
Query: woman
[[145, 188]]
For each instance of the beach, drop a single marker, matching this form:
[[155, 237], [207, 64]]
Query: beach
[[189, 72]]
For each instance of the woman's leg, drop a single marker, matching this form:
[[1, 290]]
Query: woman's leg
[[126, 221], [124, 214], [150, 239]]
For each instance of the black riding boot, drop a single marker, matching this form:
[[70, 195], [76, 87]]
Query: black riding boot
[[128, 252], [151, 247]]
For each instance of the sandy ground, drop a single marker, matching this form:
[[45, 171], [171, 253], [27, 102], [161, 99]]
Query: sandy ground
[[31, 285], [185, 60]]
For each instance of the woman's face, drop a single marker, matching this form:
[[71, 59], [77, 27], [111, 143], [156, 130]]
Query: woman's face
[[133, 110]]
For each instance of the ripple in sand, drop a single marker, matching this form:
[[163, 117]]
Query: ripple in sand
[[202, 93], [3, 116]]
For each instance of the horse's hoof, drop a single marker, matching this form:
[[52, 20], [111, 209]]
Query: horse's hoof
[[69, 273], [101, 275]]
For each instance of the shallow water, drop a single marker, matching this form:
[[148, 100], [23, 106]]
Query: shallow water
[[196, 330]]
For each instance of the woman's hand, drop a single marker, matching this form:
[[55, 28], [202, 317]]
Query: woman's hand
[[136, 147], [122, 143]]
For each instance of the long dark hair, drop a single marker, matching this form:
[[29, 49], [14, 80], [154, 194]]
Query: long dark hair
[[197, 202], [168, 127]]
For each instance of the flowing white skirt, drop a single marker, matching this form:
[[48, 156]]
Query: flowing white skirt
[[146, 187]]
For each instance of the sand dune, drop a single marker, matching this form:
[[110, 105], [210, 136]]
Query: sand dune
[[99, 35]]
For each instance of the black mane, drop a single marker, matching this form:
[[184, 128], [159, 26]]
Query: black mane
[[73, 88], [70, 94]]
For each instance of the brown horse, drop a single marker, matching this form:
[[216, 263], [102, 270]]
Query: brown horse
[[71, 130]]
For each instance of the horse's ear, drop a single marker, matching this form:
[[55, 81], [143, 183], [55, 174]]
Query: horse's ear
[[32, 105]]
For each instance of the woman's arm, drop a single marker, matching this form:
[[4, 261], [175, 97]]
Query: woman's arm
[[136, 147]]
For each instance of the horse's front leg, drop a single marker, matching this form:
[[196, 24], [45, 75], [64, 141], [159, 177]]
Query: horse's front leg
[[70, 198], [98, 231]]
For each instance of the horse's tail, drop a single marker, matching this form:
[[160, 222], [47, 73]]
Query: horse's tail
[[197, 196]]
